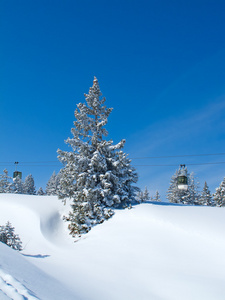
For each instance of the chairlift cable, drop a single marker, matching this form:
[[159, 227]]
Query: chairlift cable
[[173, 156], [174, 165], [53, 163], [161, 165]]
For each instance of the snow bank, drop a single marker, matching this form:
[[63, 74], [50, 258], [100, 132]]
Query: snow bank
[[19, 279], [152, 251]]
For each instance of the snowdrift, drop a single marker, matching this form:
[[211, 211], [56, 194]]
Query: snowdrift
[[153, 251], [19, 279]]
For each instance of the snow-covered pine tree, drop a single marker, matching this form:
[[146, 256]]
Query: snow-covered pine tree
[[140, 197], [174, 195], [189, 196], [192, 196], [157, 197], [8, 237], [219, 195], [53, 184], [146, 194], [5, 184], [206, 197], [40, 192], [3, 237], [17, 186], [143, 196], [97, 175], [28, 186]]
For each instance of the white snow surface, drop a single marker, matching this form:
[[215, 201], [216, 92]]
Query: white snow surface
[[153, 251]]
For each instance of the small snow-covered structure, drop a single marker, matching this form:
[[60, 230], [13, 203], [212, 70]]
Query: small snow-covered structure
[[182, 179], [17, 174]]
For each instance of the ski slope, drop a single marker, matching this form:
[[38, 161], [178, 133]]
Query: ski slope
[[153, 251]]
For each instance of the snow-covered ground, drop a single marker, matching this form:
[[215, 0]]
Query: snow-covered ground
[[152, 252]]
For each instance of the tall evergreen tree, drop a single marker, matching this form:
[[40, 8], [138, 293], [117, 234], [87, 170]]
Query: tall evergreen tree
[[219, 195], [206, 197], [97, 175], [28, 186]]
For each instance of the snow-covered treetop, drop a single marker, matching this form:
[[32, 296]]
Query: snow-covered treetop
[[91, 117]]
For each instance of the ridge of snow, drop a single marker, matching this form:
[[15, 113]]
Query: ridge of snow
[[153, 251]]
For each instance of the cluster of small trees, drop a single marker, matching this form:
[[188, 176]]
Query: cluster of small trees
[[143, 196], [192, 195], [8, 237], [17, 186]]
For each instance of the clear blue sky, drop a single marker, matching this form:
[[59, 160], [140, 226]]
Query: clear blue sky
[[160, 65]]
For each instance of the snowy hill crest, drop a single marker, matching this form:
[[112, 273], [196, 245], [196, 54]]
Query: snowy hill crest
[[152, 252]]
